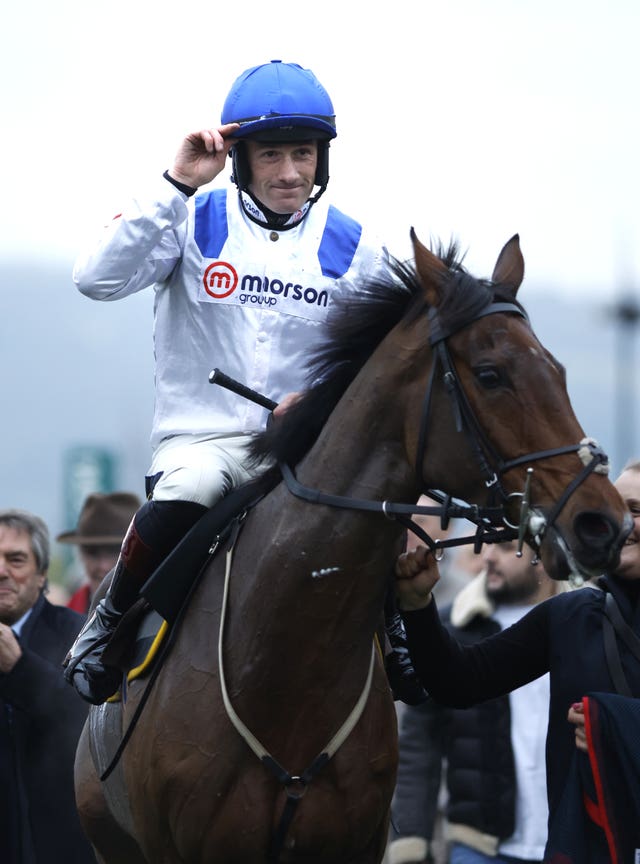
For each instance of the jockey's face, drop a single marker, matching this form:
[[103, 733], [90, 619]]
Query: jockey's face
[[628, 485], [282, 175], [20, 580]]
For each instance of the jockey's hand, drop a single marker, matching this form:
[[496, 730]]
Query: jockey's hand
[[576, 716], [202, 155], [416, 574], [10, 650], [285, 403]]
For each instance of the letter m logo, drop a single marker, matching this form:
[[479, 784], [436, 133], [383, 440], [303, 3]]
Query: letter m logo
[[220, 279]]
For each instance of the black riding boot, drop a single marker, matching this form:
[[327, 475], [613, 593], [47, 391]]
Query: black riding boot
[[94, 681], [403, 679], [155, 530]]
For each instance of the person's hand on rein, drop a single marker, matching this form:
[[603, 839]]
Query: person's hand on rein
[[202, 155], [416, 574]]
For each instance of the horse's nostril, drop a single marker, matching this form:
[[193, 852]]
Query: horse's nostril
[[594, 530]]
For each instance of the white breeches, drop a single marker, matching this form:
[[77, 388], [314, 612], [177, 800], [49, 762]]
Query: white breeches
[[201, 468]]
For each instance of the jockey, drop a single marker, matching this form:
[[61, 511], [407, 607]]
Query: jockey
[[244, 278]]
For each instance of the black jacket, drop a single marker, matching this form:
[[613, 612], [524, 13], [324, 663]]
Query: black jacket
[[476, 744], [603, 788], [562, 636], [41, 718]]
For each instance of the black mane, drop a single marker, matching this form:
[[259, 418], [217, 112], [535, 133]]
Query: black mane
[[356, 325]]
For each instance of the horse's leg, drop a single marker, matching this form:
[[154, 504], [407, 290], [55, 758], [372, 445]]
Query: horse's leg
[[111, 844]]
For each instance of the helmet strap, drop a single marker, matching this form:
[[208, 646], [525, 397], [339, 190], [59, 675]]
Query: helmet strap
[[318, 194], [259, 213]]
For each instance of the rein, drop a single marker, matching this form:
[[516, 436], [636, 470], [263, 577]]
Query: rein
[[480, 516]]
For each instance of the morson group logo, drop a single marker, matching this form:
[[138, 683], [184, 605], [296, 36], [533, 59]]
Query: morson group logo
[[220, 280]]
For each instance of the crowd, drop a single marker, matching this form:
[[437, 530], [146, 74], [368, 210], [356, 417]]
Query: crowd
[[498, 740], [585, 640]]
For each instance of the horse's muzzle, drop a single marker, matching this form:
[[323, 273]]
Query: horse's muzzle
[[600, 539], [593, 550]]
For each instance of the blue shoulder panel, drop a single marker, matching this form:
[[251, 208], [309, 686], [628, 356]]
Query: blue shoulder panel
[[211, 228], [339, 243]]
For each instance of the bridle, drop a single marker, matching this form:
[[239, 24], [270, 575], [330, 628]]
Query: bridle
[[491, 465]]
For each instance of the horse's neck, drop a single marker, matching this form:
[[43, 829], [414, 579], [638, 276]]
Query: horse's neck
[[309, 580], [361, 451], [360, 456]]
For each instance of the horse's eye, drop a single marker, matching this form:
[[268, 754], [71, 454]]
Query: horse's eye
[[489, 377]]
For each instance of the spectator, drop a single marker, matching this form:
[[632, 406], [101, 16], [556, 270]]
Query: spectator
[[102, 525], [40, 716], [496, 806]]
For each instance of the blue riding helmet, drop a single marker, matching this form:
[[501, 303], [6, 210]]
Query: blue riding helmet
[[279, 102]]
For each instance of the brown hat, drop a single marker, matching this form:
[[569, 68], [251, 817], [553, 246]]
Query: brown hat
[[103, 520]]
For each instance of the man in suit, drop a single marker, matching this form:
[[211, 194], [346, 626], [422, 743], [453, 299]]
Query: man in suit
[[40, 716]]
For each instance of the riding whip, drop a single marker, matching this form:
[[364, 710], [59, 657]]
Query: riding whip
[[218, 377]]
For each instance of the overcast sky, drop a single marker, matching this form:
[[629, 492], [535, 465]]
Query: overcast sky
[[479, 119], [473, 118]]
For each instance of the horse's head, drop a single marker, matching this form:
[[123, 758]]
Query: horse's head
[[505, 400]]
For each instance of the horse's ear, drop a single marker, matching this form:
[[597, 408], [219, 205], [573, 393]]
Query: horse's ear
[[429, 268], [509, 269]]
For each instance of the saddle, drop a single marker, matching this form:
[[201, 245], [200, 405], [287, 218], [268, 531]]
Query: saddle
[[165, 595]]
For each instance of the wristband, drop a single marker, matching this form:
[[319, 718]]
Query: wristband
[[181, 187]]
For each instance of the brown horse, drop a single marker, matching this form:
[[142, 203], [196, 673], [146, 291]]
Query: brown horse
[[223, 767]]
